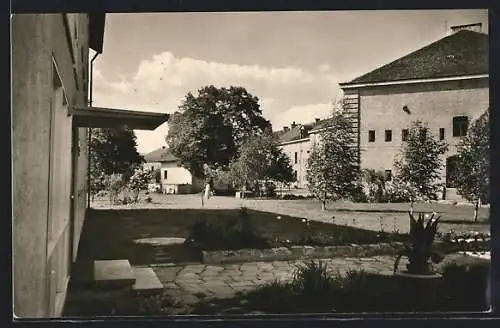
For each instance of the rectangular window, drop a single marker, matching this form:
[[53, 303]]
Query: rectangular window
[[371, 136], [441, 134], [460, 125], [388, 175], [404, 135], [296, 157], [388, 135], [165, 174]]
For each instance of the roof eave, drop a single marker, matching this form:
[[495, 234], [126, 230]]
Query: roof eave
[[95, 117], [351, 85], [96, 31]]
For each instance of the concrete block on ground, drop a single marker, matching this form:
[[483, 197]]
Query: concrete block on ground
[[113, 273], [146, 281]]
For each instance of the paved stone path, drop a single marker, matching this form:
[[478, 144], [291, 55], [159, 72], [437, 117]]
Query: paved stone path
[[190, 283]]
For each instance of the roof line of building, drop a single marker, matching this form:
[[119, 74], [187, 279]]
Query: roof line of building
[[348, 85], [293, 141]]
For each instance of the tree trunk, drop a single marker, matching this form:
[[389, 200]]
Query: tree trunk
[[412, 202], [476, 210], [323, 203]]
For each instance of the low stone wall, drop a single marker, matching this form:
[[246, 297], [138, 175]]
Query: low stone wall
[[299, 253], [319, 252]]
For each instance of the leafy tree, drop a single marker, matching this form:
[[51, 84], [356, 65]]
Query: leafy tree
[[419, 165], [280, 168], [212, 126], [259, 159], [473, 165], [114, 151], [332, 173]]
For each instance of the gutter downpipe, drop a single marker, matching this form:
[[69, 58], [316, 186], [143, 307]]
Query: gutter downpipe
[[90, 129]]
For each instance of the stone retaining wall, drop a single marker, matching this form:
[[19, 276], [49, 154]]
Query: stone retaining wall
[[316, 252], [299, 253]]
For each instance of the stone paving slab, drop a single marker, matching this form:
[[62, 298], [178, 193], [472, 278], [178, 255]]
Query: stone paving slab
[[146, 281], [191, 283]]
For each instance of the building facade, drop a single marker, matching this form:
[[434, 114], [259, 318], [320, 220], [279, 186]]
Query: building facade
[[49, 75], [445, 85], [50, 117]]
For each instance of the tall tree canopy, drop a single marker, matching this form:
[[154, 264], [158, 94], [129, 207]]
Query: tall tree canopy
[[260, 159], [419, 165], [212, 126], [114, 151], [332, 172], [473, 164]]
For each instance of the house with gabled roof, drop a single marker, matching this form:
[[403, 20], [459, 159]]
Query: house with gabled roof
[[175, 179], [444, 84]]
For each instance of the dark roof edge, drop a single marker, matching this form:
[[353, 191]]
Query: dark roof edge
[[96, 31], [354, 80]]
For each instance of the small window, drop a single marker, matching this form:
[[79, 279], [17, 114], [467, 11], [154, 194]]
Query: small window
[[371, 136], [441, 134], [152, 168], [296, 157], [460, 125], [388, 175], [165, 174], [308, 151], [388, 135], [404, 135]]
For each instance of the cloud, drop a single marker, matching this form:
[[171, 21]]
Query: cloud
[[161, 83]]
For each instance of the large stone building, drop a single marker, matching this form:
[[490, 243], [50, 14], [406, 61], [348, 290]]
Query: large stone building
[[444, 84], [50, 121]]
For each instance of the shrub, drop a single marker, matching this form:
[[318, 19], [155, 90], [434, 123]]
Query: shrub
[[237, 233], [465, 285], [139, 181], [115, 184]]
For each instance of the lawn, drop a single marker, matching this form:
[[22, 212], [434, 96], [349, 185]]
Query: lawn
[[110, 234]]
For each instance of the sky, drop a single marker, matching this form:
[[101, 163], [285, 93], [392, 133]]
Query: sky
[[291, 61]]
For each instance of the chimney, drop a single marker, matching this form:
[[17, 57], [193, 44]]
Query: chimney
[[293, 125], [285, 128], [476, 27], [317, 120]]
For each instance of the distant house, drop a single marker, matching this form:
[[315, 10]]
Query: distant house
[[296, 141], [444, 84], [175, 179]]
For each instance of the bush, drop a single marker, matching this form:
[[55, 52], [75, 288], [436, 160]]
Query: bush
[[238, 233], [465, 285]]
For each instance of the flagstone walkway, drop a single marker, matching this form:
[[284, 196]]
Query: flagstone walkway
[[191, 283]]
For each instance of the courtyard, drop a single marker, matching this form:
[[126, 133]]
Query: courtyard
[[191, 285]]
